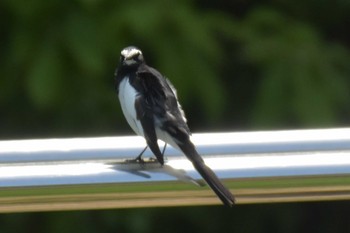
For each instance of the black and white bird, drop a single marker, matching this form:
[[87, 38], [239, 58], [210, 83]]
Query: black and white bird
[[150, 105]]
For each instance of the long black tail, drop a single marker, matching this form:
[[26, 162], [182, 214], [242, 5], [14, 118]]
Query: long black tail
[[208, 175]]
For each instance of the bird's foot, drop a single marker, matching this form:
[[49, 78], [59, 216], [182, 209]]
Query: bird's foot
[[136, 160], [149, 163], [152, 160]]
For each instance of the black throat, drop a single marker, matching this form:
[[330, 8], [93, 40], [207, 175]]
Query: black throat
[[124, 71]]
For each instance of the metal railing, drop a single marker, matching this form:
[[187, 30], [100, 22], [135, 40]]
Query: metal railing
[[92, 173]]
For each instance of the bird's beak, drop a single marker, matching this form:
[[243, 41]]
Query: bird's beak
[[123, 59], [128, 61]]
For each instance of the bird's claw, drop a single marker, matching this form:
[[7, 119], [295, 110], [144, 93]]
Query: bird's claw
[[137, 160], [152, 160]]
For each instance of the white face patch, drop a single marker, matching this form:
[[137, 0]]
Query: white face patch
[[129, 53]]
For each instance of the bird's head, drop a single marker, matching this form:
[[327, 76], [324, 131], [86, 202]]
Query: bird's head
[[131, 56]]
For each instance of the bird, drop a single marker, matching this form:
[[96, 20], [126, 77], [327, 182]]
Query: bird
[[150, 105]]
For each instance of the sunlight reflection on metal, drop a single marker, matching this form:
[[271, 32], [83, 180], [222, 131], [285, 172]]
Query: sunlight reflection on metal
[[90, 173], [47, 170]]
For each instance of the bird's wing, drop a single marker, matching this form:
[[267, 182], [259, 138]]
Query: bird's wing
[[144, 115], [161, 101], [178, 103], [150, 104]]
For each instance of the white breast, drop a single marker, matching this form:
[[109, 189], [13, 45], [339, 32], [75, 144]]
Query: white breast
[[127, 96]]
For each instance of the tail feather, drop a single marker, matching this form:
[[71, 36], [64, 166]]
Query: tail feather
[[215, 184], [209, 176]]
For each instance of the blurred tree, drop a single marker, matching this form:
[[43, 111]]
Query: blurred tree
[[61, 57], [304, 79], [264, 70]]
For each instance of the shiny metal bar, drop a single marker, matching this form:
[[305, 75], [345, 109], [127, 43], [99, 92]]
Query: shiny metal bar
[[92, 173]]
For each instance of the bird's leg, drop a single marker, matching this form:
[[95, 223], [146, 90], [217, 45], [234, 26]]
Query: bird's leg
[[163, 151], [139, 157]]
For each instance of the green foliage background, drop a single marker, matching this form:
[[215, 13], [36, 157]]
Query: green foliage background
[[237, 66]]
